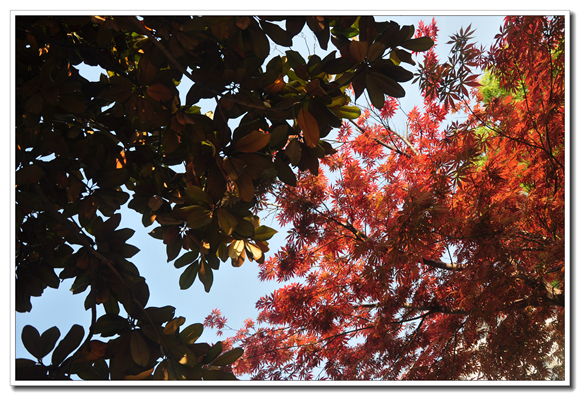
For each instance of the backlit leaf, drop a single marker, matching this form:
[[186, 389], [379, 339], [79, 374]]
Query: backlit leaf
[[139, 349], [263, 233], [159, 92], [191, 333], [253, 142], [309, 127], [228, 357]]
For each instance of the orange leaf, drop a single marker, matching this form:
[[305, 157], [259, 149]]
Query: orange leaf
[[252, 142], [159, 92], [309, 126]]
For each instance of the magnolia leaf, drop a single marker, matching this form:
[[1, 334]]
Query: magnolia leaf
[[68, 344], [186, 259], [205, 275], [293, 151], [284, 171], [31, 341], [254, 251], [183, 355], [386, 85], [188, 276], [358, 50], [277, 34], [195, 195], [191, 333], [199, 217], [226, 221], [143, 375], [245, 187], [213, 353], [348, 112], [376, 51], [375, 93], [48, 340], [139, 349], [253, 142], [228, 357], [419, 44], [173, 325], [309, 127], [263, 233], [160, 92], [244, 229]]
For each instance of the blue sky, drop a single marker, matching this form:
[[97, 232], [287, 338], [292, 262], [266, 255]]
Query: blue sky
[[235, 290]]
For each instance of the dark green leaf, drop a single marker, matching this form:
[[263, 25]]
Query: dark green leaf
[[228, 357], [188, 276], [68, 344]]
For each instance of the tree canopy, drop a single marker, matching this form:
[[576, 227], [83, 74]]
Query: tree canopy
[[84, 149], [434, 251]]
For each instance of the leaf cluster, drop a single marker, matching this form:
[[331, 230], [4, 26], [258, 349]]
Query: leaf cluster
[[86, 148]]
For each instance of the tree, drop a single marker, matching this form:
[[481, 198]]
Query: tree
[[85, 149], [434, 253]]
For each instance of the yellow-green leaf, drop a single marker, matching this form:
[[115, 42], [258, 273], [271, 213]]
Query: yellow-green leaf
[[226, 221], [191, 333], [263, 233]]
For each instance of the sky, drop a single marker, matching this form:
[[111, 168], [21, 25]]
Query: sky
[[235, 290]]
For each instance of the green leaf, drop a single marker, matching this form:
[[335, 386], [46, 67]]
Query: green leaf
[[186, 259], [277, 34], [69, 343], [161, 315], [376, 94], [188, 276], [263, 233], [348, 112], [228, 357], [183, 355], [191, 333], [244, 229], [294, 58], [213, 352], [197, 195]]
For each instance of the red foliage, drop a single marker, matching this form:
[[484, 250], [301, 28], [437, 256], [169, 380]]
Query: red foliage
[[435, 254]]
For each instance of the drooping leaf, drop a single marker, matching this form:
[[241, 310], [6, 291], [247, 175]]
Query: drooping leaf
[[139, 349], [188, 276], [309, 127]]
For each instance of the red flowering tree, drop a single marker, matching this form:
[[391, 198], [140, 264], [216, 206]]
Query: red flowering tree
[[436, 252]]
